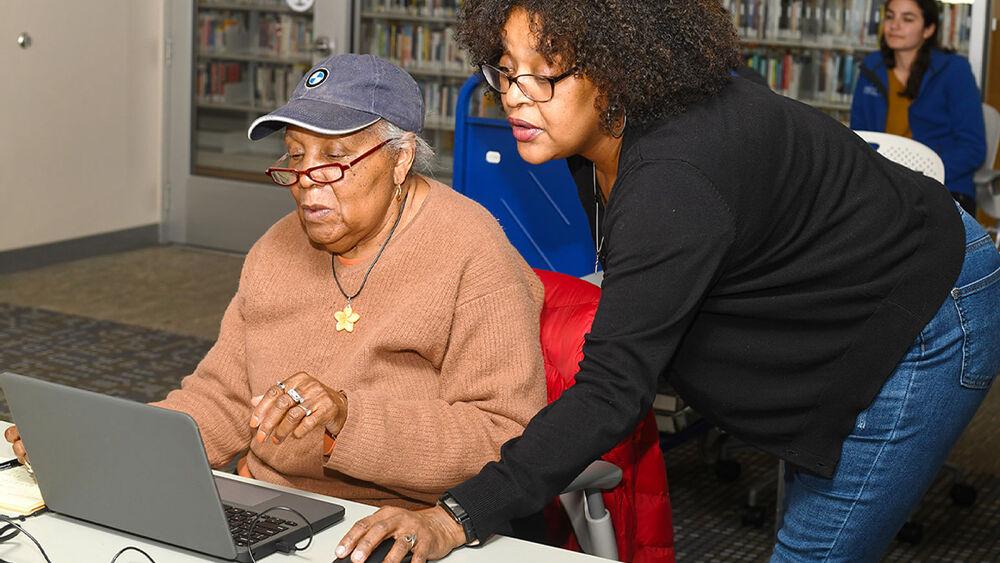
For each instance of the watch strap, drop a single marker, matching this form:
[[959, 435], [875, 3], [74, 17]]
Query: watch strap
[[451, 505]]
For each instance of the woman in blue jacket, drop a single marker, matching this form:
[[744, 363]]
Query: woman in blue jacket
[[929, 95]]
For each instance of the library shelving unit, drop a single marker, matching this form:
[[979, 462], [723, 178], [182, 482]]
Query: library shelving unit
[[248, 56], [811, 50], [418, 35]]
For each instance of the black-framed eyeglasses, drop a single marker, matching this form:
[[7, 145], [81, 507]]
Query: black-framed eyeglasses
[[535, 87], [322, 174]]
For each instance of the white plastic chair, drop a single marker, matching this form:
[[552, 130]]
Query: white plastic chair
[[986, 178], [909, 153]]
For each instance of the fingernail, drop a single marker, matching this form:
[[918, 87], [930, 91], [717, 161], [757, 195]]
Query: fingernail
[[275, 439], [254, 421], [358, 556], [256, 400], [260, 437], [341, 550]]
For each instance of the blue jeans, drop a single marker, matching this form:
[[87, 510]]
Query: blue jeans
[[901, 440]]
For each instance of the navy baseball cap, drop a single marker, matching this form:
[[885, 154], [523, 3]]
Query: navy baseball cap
[[344, 94]]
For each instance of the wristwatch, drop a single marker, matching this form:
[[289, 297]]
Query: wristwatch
[[456, 511]]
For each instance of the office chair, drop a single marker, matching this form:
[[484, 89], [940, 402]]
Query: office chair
[[618, 507], [986, 178], [909, 153]]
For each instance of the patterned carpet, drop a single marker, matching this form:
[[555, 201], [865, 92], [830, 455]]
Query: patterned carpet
[[144, 364], [122, 360]]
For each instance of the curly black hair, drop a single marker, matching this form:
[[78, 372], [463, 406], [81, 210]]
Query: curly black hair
[[653, 58]]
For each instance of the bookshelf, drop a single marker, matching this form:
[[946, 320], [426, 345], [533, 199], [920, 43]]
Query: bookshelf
[[248, 55], [418, 35], [811, 50]]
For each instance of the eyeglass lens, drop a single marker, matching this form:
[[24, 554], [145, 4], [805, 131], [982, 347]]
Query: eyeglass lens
[[535, 87]]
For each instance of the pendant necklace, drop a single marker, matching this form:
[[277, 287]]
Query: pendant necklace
[[598, 236], [348, 316]]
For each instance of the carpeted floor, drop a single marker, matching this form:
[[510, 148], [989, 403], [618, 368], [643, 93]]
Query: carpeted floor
[[162, 287], [137, 363]]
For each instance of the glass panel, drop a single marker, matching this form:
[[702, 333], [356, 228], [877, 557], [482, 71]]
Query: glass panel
[[418, 35], [249, 55]]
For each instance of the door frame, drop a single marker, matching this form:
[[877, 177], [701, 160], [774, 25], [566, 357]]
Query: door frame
[[978, 42]]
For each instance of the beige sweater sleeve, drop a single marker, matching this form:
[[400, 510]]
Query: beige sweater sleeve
[[492, 383], [217, 395]]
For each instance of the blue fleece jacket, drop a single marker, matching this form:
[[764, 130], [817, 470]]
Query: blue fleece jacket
[[947, 114]]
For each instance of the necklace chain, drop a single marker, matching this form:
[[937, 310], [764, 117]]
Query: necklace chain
[[333, 258], [598, 236]]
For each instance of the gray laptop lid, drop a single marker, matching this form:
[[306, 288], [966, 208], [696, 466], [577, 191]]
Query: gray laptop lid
[[126, 465]]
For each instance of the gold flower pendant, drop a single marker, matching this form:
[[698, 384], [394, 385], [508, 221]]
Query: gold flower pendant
[[346, 318]]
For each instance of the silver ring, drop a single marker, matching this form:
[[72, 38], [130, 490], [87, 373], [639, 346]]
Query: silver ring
[[280, 385], [307, 410], [294, 394], [410, 539]]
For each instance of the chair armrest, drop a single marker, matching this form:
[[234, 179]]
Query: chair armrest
[[986, 176], [599, 475]]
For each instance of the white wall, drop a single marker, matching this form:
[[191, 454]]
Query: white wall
[[82, 112]]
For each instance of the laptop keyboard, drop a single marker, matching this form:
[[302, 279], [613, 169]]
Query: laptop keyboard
[[239, 525]]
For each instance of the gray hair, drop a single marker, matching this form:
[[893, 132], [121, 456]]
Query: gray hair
[[423, 154]]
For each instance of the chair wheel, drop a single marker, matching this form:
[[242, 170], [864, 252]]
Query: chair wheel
[[911, 533], [754, 516], [963, 495], [728, 470]]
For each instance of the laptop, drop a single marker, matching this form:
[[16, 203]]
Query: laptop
[[143, 469]]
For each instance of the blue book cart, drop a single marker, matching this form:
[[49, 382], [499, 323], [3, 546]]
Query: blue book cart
[[537, 206]]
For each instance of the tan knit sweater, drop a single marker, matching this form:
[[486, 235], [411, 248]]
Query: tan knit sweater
[[443, 367]]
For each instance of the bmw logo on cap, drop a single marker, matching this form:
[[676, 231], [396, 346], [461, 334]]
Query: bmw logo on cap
[[318, 77]]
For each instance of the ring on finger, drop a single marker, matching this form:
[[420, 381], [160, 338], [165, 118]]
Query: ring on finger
[[280, 385], [410, 539], [294, 394], [306, 409]]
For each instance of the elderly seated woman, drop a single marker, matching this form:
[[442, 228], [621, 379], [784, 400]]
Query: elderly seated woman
[[383, 343]]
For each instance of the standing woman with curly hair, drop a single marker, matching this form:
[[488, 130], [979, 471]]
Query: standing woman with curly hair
[[800, 291], [911, 88]]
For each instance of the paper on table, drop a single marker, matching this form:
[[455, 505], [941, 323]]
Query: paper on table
[[19, 492]]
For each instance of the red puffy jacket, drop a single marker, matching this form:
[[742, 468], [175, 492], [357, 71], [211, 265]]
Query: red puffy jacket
[[640, 504]]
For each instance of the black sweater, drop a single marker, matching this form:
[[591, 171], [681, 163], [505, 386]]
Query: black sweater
[[768, 263]]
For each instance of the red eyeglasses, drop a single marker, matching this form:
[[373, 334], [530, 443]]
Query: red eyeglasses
[[322, 174]]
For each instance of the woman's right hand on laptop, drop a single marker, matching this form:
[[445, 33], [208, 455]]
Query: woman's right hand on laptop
[[12, 436]]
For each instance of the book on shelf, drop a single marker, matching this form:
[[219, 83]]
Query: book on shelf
[[259, 4], [847, 23], [19, 493], [415, 46], [811, 76], [223, 32], [439, 102], [427, 8]]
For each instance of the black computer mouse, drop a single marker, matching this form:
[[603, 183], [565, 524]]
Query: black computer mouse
[[377, 554]]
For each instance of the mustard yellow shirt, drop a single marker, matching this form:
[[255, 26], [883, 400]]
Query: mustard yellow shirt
[[897, 121]]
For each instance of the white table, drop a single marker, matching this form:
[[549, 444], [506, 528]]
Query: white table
[[67, 540]]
